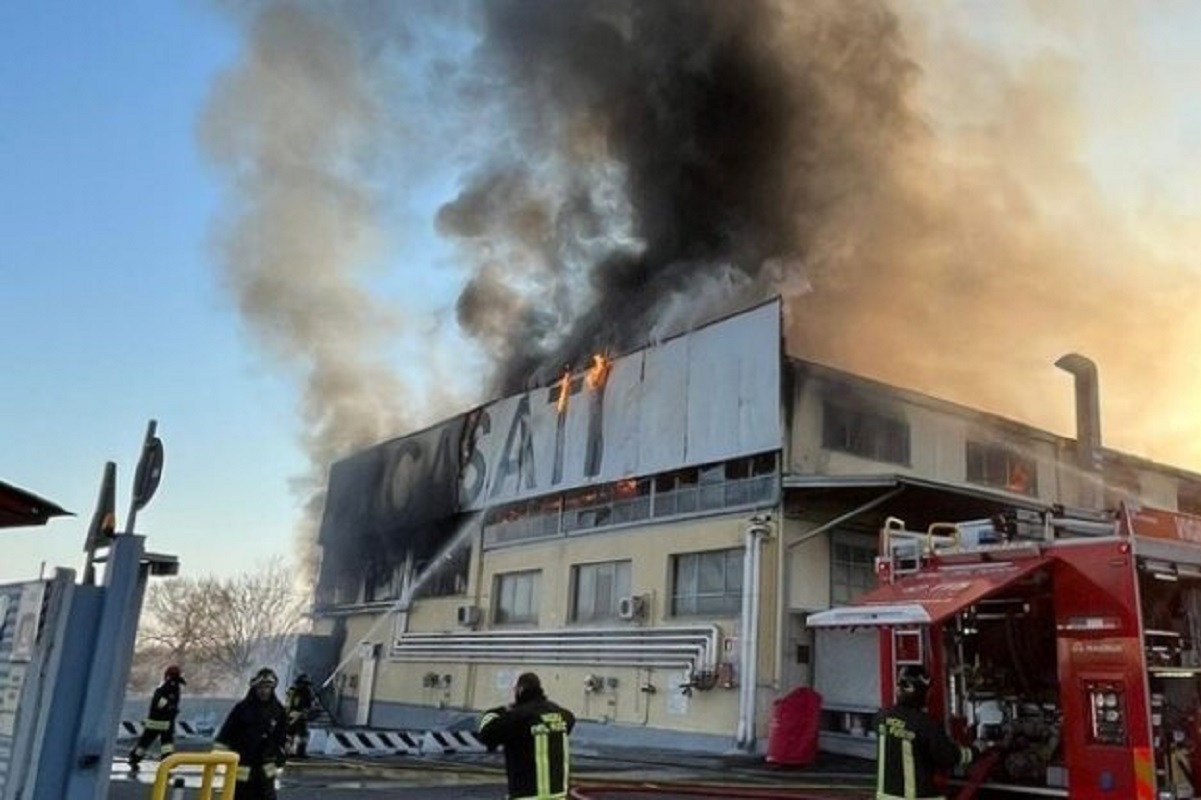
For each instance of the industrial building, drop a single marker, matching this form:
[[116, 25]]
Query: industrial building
[[650, 533]]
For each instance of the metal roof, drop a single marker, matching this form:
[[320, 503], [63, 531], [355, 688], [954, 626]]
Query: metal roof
[[21, 508]]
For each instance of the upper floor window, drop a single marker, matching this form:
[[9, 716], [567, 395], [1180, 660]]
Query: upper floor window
[[597, 590], [1188, 498], [995, 465], [865, 433], [737, 482], [447, 579], [708, 583], [516, 597], [852, 568]]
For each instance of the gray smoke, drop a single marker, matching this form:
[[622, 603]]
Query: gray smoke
[[292, 127]]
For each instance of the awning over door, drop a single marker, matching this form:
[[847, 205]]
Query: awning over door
[[928, 597]]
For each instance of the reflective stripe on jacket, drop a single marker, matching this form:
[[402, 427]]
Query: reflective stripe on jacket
[[911, 749], [534, 735], [164, 704]]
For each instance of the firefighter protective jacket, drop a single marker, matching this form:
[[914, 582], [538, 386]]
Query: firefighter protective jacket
[[164, 706], [912, 749], [257, 731], [300, 703], [534, 736]]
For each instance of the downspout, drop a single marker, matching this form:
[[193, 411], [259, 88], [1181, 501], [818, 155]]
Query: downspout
[[756, 532]]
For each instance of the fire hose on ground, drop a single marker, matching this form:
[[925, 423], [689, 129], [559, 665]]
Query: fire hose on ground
[[588, 788], [600, 791]]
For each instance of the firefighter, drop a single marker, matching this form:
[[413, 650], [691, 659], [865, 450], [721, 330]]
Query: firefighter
[[300, 707], [912, 746], [160, 721], [533, 732], [256, 729]]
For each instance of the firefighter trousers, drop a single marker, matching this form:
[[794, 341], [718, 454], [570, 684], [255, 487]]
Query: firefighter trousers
[[153, 730], [257, 782]]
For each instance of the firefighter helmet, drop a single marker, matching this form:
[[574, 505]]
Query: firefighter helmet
[[173, 673], [913, 682], [265, 677]]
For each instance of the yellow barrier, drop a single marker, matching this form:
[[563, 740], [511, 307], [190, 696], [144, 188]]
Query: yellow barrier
[[210, 762]]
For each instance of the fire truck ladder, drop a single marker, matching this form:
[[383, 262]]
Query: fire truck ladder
[[906, 550]]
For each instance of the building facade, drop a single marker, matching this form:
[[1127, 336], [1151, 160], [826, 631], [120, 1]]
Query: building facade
[[650, 533]]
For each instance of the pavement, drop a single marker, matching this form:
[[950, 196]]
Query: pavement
[[609, 773]]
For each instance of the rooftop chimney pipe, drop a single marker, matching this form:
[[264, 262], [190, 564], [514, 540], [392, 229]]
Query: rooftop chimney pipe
[[1088, 410]]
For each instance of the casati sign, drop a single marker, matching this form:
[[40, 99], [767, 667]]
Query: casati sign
[[708, 395]]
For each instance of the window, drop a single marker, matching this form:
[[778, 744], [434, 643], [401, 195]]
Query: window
[[379, 583], [516, 597], [445, 580], [852, 568], [739, 482], [996, 465], [865, 433], [707, 583], [675, 492], [1188, 498], [597, 590], [631, 500]]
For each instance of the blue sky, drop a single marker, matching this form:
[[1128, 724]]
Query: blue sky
[[110, 314], [112, 311]]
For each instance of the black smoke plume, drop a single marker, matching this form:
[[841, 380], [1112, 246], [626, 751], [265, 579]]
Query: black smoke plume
[[667, 155]]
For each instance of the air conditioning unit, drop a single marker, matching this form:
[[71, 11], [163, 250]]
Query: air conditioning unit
[[469, 616], [633, 607]]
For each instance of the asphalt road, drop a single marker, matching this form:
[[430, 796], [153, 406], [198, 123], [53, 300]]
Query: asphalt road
[[334, 781], [598, 776]]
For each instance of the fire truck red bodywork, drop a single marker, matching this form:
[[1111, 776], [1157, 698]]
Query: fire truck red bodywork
[[1072, 653]]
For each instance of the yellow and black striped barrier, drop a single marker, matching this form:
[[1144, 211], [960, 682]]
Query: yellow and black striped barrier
[[209, 763]]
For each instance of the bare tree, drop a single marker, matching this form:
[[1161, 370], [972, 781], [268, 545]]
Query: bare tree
[[255, 620], [176, 615], [219, 630]]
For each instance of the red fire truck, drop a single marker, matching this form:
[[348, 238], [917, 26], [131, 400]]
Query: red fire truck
[[1068, 641]]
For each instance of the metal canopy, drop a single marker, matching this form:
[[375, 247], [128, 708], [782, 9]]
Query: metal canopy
[[20, 508], [920, 503]]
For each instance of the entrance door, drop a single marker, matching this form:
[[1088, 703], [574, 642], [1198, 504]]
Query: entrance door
[[798, 653]]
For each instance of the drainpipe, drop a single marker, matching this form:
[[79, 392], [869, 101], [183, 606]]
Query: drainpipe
[[757, 531]]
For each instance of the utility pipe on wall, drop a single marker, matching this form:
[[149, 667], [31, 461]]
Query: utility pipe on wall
[[757, 531]]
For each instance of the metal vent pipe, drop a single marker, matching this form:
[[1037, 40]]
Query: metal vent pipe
[[1088, 419]]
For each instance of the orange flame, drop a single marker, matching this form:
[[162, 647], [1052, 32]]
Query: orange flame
[[598, 373], [564, 391], [625, 488]]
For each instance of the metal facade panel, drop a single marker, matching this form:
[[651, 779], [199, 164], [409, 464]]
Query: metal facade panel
[[709, 395], [733, 398], [663, 413], [383, 500], [624, 429]]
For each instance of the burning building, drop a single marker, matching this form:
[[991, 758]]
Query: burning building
[[650, 529]]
